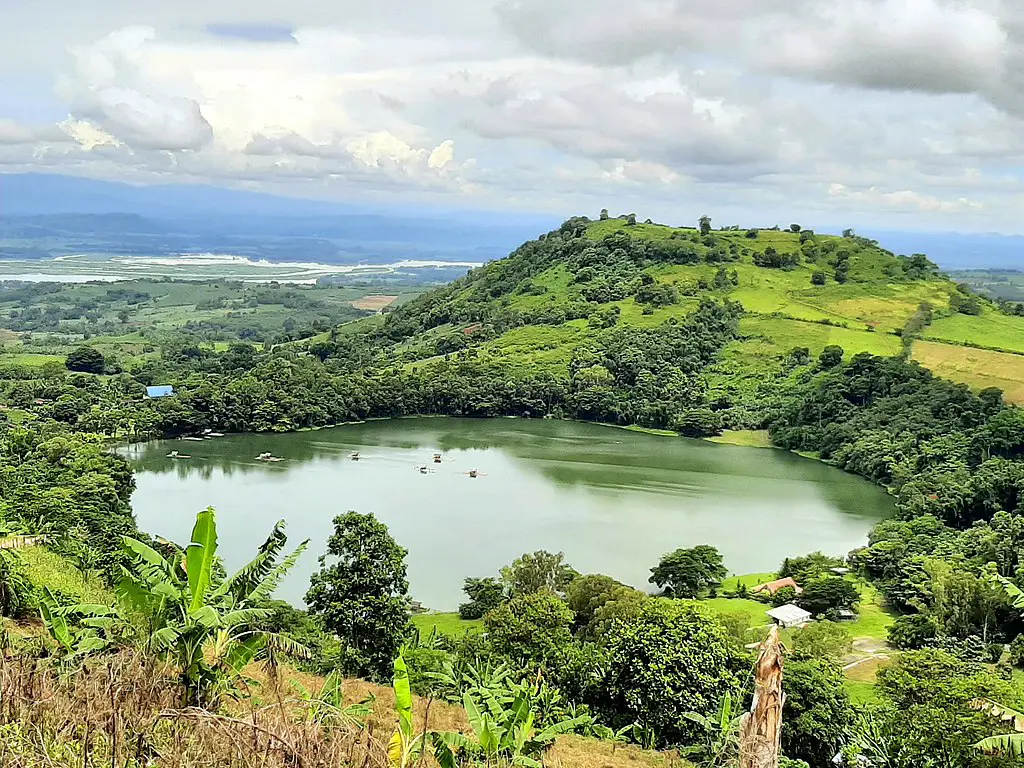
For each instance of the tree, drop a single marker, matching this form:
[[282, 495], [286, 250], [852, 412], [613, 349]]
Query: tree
[[752, 234], [484, 595], [794, 228], [631, 220], [364, 596], [688, 572], [531, 627], [604, 214], [817, 277], [670, 659], [15, 588], [932, 710], [831, 356], [705, 225], [828, 594], [698, 422], [587, 595], [809, 567], [823, 639], [536, 571], [817, 715], [85, 360]]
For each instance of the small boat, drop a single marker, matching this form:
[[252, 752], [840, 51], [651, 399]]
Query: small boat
[[437, 458], [472, 473], [176, 455], [354, 455], [423, 470], [268, 457], [215, 434], [193, 439]]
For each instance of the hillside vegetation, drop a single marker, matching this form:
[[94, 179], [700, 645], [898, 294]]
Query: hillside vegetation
[[802, 341]]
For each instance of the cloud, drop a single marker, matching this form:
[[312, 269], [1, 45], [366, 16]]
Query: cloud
[[746, 109], [113, 89]]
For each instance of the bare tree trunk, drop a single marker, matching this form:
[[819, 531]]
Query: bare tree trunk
[[761, 732]]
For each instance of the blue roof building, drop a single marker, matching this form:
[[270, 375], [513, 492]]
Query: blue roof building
[[165, 390]]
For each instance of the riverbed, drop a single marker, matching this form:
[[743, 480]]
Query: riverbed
[[613, 500]]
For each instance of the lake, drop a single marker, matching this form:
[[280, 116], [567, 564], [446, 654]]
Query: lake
[[613, 500]]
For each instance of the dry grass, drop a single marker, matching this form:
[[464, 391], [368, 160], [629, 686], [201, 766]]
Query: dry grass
[[124, 710], [581, 752], [978, 368], [374, 303]]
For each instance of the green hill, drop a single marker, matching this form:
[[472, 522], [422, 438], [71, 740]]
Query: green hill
[[533, 311]]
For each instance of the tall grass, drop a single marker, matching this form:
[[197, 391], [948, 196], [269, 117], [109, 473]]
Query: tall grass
[[122, 711]]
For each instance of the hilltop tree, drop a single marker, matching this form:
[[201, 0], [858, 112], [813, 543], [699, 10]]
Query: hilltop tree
[[705, 225], [794, 228], [631, 220], [688, 572], [817, 277], [604, 214], [363, 597], [85, 360]]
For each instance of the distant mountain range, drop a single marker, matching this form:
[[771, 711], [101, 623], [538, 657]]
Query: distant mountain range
[[44, 215]]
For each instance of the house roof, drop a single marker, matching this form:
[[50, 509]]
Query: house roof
[[160, 391], [789, 614], [774, 586]]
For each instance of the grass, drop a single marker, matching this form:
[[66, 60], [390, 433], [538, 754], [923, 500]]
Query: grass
[[873, 618], [977, 368], [860, 681], [750, 438], [990, 329], [445, 624], [784, 334], [751, 580], [48, 569]]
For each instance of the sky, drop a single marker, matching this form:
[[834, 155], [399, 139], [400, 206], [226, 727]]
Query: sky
[[885, 113]]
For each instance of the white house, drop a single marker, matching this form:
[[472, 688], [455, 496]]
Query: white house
[[789, 615]]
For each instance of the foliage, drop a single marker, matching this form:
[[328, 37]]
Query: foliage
[[689, 572], [85, 360], [484, 595], [817, 716], [15, 589], [830, 593], [673, 658], [534, 626], [363, 596], [809, 567], [823, 639], [406, 745], [719, 742], [503, 731], [588, 596], [537, 571]]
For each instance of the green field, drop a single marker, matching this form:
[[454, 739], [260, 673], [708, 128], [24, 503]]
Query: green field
[[445, 624], [990, 329], [48, 569], [784, 335]]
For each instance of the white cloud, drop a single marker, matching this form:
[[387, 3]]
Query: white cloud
[[908, 108]]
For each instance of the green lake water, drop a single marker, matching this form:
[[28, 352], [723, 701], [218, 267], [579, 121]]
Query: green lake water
[[613, 500]]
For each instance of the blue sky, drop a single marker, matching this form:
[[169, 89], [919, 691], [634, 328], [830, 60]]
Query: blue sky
[[899, 114]]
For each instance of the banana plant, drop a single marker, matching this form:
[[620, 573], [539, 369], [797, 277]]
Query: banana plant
[[500, 733], [1005, 745], [406, 745], [327, 706], [204, 621], [721, 735], [83, 633]]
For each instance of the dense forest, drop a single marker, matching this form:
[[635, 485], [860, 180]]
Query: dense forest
[[581, 653]]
